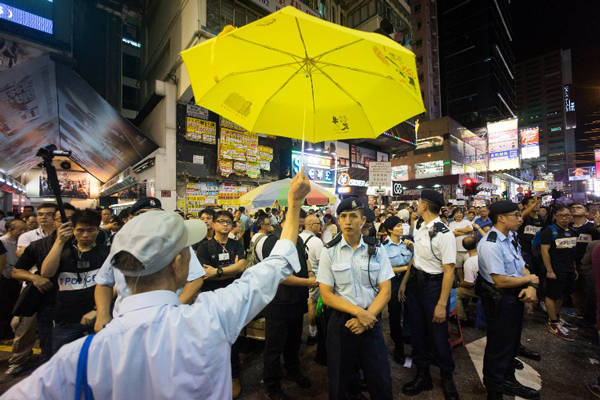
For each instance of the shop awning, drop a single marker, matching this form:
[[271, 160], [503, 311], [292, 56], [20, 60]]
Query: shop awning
[[43, 102], [512, 179]]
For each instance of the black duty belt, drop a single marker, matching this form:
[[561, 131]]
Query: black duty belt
[[423, 276]]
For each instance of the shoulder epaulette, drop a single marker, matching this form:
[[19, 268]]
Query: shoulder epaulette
[[386, 241], [334, 241], [441, 227], [419, 223], [370, 240], [492, 236]]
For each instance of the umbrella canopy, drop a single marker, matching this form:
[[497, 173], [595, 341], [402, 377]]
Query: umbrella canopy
[[293, 75], [267, 195]]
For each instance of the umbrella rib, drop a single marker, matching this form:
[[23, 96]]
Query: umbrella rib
[[267, 47], [347, 94], [336, 49], [284, 85], [259, 69]]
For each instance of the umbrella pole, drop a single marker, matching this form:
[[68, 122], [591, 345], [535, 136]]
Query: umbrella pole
[[302, 157]]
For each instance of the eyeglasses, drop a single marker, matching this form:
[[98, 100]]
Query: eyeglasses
[[224, 222], [565, 216], [49, 214], [517, 215]]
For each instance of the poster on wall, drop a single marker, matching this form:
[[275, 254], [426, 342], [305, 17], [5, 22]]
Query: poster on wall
[[382, 156], [530, 142], [72, 184], [199, 130], [195, 111], [239, 153]]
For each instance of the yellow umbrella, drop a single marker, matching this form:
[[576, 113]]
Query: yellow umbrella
[[293, 75]]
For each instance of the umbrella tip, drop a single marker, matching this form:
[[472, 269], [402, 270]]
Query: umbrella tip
[[226, 30]]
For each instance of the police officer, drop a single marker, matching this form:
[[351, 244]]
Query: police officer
[[427, 288], [504, 285], [354, 279]]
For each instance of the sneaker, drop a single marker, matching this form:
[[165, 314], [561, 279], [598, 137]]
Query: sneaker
[[13, 371], [593, 388], [566, 324], [573, 314], [543, 306], [557, 330]]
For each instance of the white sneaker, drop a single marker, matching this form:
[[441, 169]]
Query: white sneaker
[[543, 306]]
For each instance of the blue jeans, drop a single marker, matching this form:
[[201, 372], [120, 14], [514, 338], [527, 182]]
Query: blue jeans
[[64, 333]]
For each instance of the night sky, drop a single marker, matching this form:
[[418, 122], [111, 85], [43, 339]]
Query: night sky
[[544, 26]]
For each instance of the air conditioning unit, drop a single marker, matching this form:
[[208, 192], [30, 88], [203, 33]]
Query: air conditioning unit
[[124, 180]]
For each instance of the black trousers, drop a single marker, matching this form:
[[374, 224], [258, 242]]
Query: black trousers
[[427, 336], [282, 336], [503, 339], [395, 309], [9, 292], [347, 351]]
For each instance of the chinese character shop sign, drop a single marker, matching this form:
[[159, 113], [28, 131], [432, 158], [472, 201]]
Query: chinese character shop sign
[[380, 173], [318, 168]]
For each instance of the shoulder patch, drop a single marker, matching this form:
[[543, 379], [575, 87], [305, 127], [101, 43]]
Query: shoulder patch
[[492, 237], [386, 241], [370, 240], [334, 241], [441, 227]]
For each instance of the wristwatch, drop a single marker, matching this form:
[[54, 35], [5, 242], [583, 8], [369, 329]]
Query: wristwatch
[[534, 285], [219, 271]]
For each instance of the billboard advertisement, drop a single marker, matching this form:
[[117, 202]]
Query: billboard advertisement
[[72, 184], [597, 159], [580, 173], [503, 145], [530, 142]]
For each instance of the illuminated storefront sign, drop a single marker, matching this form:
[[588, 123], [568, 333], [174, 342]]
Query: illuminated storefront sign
[[33, 17], [503, 145], [318, 168], [530, 142], [429, 169], [580, 173]]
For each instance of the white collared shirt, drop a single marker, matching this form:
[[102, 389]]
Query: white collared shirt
[[159, 349], [28, 237], [314, 246], [443, 246]]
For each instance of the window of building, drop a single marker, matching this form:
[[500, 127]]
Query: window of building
[[323, 9], [131, 98], [220, 13], [417, 8], [419, 25], [360, 14], [419, 43], [131, 66], [421, 78], [419, 60]]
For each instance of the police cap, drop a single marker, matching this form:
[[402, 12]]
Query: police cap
[[391, 222], [433, 196], [350, 204], [370, 214], [503, 207], [146, 203]]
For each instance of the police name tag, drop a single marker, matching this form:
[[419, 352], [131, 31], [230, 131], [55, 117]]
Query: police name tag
[[531, 230], [584, 238], [224, 257], [566, 243]]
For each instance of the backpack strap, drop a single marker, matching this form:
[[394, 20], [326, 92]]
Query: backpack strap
[[554, 232], [81, 383]]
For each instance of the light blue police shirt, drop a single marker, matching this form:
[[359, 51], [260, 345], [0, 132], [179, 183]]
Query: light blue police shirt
[[347, 271], [108, 276], [500, 256], [399, 254], [157, 348]]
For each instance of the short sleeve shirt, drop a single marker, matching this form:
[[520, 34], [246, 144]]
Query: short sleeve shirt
[[562, 249], [443, 246], [499, 255], [482, 224], [212, 253], [399, 254], [465, 223], [587, 233], [471, 268], [314, 247], [351, 274], [527, 232]]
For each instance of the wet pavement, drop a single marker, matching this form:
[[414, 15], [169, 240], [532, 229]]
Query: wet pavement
[[563, 372]]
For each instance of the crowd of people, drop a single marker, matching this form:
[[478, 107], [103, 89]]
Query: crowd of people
[[95, 272]]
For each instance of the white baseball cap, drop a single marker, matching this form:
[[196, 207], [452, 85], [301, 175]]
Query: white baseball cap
[[404, 215], [155, 239]]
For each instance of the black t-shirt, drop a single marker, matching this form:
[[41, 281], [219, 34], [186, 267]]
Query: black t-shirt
[[210, 253], [562, 250], [527, 231], [2, 249], [587, 232], [76, 281], [35, 254], [289, 301]]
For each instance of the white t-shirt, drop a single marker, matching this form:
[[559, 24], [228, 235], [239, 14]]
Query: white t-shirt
[[329, 232], [259, 246], [471, 269], [460, 225]]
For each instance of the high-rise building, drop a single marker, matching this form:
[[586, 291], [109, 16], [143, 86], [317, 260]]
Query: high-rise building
[[477, 71], [426, 48], [544, 100]]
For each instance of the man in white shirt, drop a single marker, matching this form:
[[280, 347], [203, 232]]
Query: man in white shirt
[[258, 240], [314, 246], [158, 348], [45, 220], [466, 288]]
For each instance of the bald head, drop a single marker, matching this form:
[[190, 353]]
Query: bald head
[[313, 224]]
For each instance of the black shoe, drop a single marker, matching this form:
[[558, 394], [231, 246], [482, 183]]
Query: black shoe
[[491, 395], [516, 389], [406, 339], [399, 356], [421, 383], [311, 340], [528, 353], [518, 364], [301, 380], [450, 392], [14, 371], [277, 395]]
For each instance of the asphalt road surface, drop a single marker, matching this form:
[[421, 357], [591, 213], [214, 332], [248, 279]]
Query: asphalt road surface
[[562, 373]]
